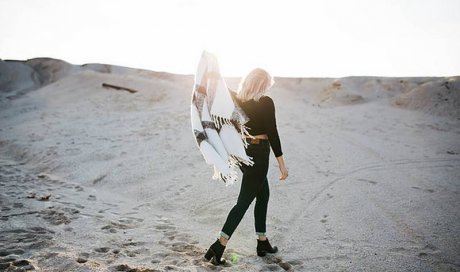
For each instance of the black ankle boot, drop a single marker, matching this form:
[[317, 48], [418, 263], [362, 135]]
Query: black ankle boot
[[264, 247], [215, 253]]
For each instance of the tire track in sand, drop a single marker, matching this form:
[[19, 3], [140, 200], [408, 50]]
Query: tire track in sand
[[371, 167]]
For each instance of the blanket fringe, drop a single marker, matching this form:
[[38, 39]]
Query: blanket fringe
[[234, 162], [219, 121], [229, 179], [245, 135]]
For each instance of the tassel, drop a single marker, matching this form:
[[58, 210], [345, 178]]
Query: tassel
[[244, 135], [235, 161], [219, 121], [228, 179]]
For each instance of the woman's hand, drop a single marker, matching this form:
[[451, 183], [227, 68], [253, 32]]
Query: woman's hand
[[282, 166], [284, 172]]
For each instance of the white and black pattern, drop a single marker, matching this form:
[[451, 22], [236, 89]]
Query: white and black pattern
[[218, 121]]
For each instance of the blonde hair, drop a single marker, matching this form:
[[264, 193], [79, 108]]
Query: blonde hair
[[254, 85]]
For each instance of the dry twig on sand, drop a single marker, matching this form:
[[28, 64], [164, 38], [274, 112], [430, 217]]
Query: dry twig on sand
[[107, 85]]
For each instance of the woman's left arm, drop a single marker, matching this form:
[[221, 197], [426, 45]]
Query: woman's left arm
[[282, 166], [273, 136]]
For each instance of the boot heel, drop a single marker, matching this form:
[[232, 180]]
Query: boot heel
[[214, 253], [209, 254], [264, 247], [261, 253]]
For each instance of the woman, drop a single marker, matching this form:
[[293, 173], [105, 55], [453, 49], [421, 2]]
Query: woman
[[262, 125]]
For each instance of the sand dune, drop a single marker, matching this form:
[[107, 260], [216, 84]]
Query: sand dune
[[96, 179]]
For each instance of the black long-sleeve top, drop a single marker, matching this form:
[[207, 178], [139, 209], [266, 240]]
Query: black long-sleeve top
[[262, 120]]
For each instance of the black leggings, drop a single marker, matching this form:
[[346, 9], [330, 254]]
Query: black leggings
[[253, 185]]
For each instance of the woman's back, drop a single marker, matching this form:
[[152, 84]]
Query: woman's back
[[262, 120]]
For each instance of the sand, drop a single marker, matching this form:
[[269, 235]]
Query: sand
[[98, 179]]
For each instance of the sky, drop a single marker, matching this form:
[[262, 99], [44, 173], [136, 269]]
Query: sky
[[289, 38]]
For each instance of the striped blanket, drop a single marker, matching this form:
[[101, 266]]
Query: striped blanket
[[218, 121]]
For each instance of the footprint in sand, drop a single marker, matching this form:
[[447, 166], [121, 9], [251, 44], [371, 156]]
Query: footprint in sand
[[15, 243], [368, 181], [83, 257], [148, 204], [182, 190], [427, 250], [92, 197], [113, 227], [425, 190], [324, 220], [182, 250], [165, 227], [9, 264], [273, 261], [58, 215], [102, 249], [127, 268], [138, 251]]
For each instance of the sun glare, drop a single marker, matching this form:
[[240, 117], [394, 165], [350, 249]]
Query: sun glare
[[288, 38]]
